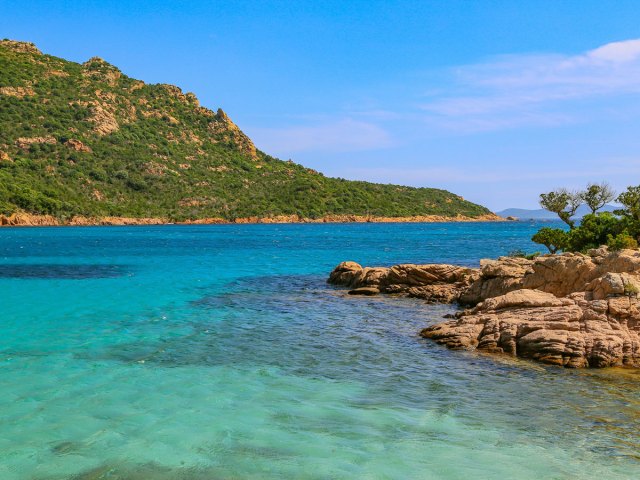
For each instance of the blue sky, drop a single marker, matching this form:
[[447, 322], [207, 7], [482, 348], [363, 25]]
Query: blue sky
[[494, 100]]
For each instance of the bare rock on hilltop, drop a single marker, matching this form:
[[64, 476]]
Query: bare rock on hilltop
[[20, 47]]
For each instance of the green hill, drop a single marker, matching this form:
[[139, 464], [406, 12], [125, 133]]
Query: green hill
[[85, 139]]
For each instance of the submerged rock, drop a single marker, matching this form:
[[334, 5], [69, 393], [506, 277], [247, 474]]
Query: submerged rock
[[367, 291]]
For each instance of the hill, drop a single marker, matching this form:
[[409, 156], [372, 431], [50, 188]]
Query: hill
[[542, 214], [85, 139]]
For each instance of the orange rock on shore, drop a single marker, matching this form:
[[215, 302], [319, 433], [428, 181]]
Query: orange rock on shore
[[27, 219]]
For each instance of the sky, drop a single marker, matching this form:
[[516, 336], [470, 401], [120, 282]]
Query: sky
[[494, 100]]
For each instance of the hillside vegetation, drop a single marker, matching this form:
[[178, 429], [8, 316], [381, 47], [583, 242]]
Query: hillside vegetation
[[85, 139]]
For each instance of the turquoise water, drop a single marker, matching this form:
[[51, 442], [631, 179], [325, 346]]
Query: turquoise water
[[218, 352]]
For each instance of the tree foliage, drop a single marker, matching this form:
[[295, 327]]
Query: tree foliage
[[618, 230], [630, 199], [562, 202], [553, 238], [597, 195]]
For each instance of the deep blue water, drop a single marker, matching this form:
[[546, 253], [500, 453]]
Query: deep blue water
[[219, 352]]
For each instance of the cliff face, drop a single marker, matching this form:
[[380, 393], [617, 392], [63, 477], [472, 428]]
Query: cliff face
[[571, 310], [87, 140]]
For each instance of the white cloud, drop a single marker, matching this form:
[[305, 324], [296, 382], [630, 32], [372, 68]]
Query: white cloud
[[343, 135], [530, 89], [424, 176], [619, 52]]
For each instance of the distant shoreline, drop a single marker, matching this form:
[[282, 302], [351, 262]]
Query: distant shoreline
[[29, 220]]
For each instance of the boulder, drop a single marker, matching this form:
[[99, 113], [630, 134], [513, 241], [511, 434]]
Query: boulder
[[497, 277], [344, 273], [521, 299], [561, 274]]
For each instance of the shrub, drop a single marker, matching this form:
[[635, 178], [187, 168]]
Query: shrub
[[594, 231], [553, 238], [621, 241], [630, 290]]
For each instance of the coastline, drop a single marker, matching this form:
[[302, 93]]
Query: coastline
[[30, 220], [572, 310]]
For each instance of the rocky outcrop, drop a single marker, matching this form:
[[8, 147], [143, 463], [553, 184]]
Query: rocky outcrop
[[497, 277], [228, 132], [77, 145], [81, 220], [571, 310], [20, 47], [103, 118], [26, 142], [101, 70], [434, 283], [26, 219], [570, 332], [18, 92], [89, 221]]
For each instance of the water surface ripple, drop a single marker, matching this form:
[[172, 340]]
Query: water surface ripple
[[219, 352]]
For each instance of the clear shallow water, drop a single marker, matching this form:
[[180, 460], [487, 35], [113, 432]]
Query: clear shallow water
[[218, 352]]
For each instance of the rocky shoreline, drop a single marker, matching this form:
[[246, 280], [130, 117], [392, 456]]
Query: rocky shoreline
[[571, 310], [30, 220]]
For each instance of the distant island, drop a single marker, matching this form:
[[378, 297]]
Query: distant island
[[86, 144], [543, 214]]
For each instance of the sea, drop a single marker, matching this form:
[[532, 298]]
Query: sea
[[220, 352]]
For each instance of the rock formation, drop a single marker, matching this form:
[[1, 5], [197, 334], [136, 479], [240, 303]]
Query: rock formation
[[434, 283], [572, 310], [228, 131], [570, 331]]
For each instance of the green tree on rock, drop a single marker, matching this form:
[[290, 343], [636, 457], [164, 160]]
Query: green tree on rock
[[562, 202], [597, 195]]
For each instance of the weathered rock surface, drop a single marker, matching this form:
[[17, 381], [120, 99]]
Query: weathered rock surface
[[572, 310], [222, 125], [570, 332], [434, 283], [18, 92], [77, 145], [497, 277], [26, 142]]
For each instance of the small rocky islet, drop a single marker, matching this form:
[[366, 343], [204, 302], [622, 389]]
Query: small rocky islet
[[572, 310]]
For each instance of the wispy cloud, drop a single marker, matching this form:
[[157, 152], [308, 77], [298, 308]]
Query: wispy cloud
[[341, 135], [512, 91], [589, 172], [503, 93]]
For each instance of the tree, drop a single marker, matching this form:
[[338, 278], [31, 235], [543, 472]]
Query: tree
[[562, 202], [597, 195], [553, 238], [631, 200]]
